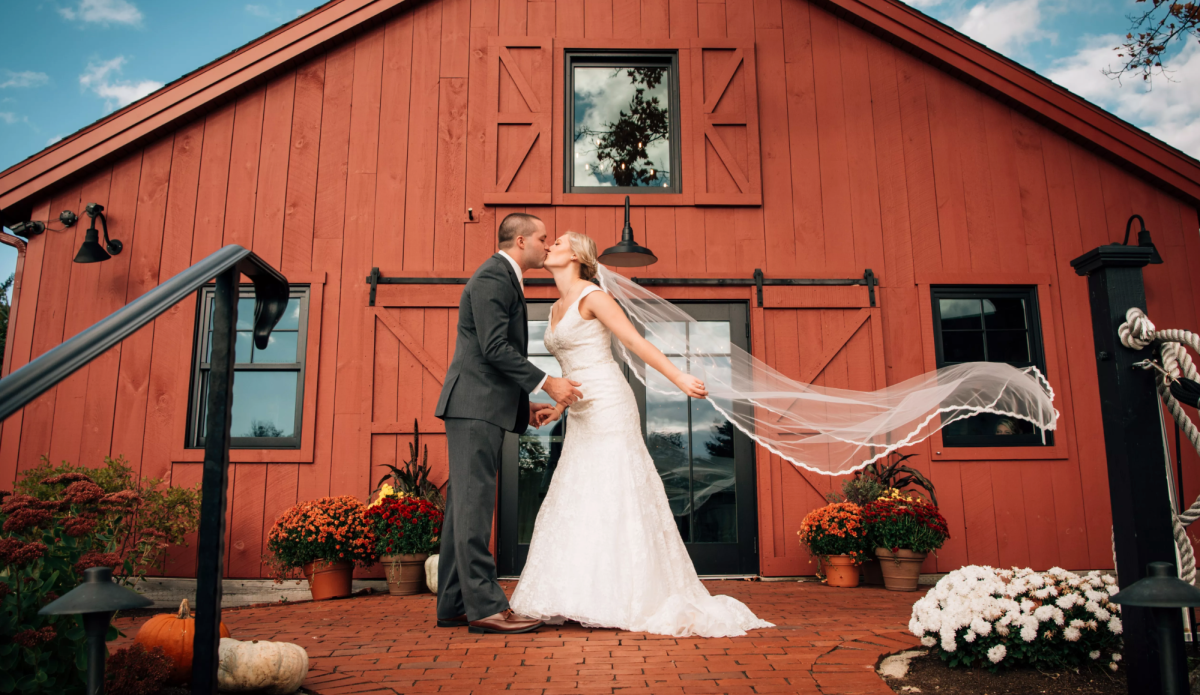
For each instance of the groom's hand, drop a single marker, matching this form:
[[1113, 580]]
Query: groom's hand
[[562, 390], [533, 411]]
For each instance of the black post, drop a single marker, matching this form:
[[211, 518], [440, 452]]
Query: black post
[[1137, 469], [95, 626], [211, 545]]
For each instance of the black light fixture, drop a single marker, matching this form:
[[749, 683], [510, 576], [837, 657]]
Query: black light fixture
[[1164, 593], [92, 251], [1143, 238], [627, 253], [96, 599]]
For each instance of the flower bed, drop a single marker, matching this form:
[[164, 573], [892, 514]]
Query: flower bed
[[990, 617]]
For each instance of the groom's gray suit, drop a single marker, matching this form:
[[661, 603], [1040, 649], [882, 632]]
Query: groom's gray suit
[[486, 392]]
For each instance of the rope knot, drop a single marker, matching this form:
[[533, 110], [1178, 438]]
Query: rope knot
[[1137, 332]]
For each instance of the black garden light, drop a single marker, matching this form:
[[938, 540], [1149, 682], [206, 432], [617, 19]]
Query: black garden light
[[1164, 594], [96, 599], [1143, 238], [627, 253], [92, 251]]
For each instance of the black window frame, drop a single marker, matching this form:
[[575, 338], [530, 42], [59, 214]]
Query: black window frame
[[1037, 353], [621, 59], [197, 396]]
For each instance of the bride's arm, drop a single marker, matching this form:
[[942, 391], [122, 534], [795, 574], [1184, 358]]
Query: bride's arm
[[608, 312]]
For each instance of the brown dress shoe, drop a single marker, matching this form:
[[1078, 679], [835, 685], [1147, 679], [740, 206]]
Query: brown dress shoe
[[460, 621], [506, 623]]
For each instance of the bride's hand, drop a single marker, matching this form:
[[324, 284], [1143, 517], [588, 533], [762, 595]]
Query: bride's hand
[[691, 386], [545, 417]]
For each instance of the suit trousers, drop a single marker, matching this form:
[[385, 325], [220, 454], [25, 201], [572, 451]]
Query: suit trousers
[[466, 570]]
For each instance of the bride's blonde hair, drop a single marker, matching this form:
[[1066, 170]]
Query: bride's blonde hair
[[585, 252]]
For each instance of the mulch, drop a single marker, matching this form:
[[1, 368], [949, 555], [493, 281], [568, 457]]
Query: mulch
[[929, 674]]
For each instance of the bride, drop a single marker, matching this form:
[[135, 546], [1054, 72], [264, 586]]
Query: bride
[[605, 549]]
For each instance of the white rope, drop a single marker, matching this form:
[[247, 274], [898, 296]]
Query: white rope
[[1138, 333]]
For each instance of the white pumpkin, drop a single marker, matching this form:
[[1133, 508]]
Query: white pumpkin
[[270, 668], [431, 572]]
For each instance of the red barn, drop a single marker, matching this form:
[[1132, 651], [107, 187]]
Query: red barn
[[927, 192]]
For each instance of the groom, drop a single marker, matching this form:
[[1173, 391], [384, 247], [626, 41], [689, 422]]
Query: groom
[[486, 393]]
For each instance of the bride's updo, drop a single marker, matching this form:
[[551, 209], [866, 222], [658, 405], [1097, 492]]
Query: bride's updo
[[585, 251]]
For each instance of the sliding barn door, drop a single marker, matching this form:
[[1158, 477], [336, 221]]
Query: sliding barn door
[[828, 336]]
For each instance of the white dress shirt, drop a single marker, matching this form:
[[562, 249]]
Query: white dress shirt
[[521, 280]]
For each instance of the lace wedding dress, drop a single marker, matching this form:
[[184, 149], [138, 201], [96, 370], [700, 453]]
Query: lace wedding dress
[[605, 550]]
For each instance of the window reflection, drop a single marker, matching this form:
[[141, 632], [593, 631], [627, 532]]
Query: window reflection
[[539, 448], [622, 129]]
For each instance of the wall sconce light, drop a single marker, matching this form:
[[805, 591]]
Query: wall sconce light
[[1143, 238], [627, 253], [92, 251]]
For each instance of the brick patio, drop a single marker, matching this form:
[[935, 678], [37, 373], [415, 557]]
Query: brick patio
[[826, 641]]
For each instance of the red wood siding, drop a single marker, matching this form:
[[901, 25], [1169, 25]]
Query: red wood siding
[[371, 153]]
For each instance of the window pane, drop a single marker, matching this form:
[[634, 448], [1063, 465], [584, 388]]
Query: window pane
[[537, 333], [264, 404], [622, 126], [713, 476], [243, 345], [1007, 346], [245, 320], [710, 338], [959, 314], [1004, 313], [281, 348], [291, 316], [962, 346], [670, 337], [667, 439]]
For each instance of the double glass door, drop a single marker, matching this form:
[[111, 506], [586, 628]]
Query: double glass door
[[706, 464]]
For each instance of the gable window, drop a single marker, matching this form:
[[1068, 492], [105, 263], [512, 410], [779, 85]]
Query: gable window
[[623, 115], [989, 324], [268, 385]]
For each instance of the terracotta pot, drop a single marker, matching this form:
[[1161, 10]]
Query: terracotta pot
[[872, 574], [329, 579], [900, 570], [405, 573], [840, 571]]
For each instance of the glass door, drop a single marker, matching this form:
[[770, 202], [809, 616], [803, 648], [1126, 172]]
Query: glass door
[[706, 465]]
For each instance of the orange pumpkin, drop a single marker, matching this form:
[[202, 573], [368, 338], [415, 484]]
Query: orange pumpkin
[[174, 633]]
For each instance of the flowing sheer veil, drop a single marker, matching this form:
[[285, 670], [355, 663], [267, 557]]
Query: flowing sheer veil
[[826, 430]]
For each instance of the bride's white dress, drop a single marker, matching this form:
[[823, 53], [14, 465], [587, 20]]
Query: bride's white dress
[[605, 550]]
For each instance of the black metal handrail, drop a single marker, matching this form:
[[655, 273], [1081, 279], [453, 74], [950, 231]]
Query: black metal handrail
[[271, 296]]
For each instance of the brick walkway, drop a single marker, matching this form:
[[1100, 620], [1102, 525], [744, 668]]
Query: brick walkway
[[826, 641]]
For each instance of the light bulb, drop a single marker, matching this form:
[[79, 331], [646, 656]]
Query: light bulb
[[622, 166], [664, 185], [597, 143], [639, 145], [652, 173]]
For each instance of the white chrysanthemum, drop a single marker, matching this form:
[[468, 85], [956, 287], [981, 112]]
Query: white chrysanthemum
[[970, 636], [1042, 594], [1002, 630], [1109, 579], [1078, 624], [981, 626], [1044, 613], [1028, 634], [1036, 581], [1116, 656], [997, 653], [929, 641], [1094, 655], [1112, 589], [1027, 606], [1113, 666], [1067, 602], [949, 645], [1072, 634], [1095, 596], [1114, 626], [915, 626]]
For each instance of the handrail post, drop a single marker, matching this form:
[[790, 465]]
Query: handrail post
[[211, 545]]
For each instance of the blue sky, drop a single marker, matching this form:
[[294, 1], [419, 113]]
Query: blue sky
[[66, 63]]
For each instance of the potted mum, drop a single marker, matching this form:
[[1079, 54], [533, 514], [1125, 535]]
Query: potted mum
[[325, 538], [412, 480], [835, 534], [903, 529], [407, 530]]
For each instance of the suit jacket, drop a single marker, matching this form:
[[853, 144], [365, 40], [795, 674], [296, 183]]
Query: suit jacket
[[490, 377]]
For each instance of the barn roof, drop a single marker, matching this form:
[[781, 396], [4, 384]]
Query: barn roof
[[281, 49]]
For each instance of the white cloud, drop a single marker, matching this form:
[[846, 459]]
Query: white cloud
[[8, 117], [100, 79], [277, 13], [26, 78], [54, 139], [104, 12], [1005, 26], [1167, 109], [259, 11]]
